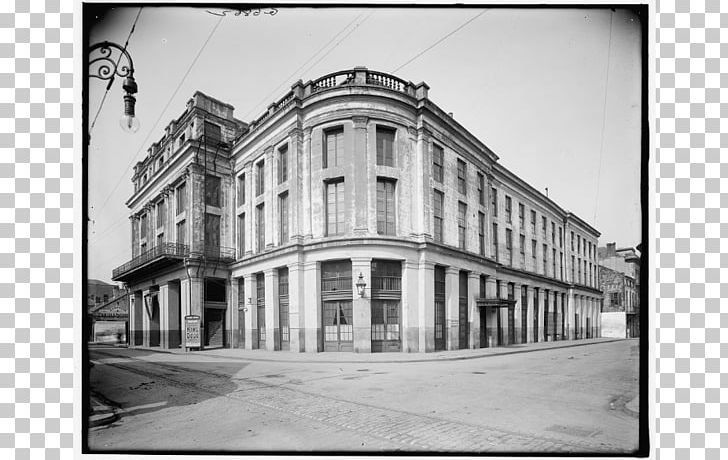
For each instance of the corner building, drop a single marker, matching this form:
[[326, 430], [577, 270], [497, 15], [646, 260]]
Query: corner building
[[364, 218]]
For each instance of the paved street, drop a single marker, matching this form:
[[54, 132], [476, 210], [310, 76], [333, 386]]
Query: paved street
[[558, 400]]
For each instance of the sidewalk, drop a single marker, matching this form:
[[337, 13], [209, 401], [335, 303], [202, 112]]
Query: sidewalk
[[331, 357], [101, 412]]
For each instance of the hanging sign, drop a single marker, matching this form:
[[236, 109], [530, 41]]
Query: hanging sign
[[192, 331]]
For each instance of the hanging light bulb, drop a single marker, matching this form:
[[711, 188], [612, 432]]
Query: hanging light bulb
[[129, 122]]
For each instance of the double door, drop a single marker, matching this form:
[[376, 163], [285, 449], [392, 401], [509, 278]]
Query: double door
[[338, 325]]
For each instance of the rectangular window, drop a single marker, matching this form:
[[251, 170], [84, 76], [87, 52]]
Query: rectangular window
[[509, 244], [543, 227], [241, 235], [438, 155], [462, 174], [521, 215], [213, 134], [385, 146], [437, 201], [161, 214], [481, 233], [181, 195], [494, 249], [561, 265], [143, 224], [212, 190], [533, 223], [283, 214], [462, 219], [385, 207], [553, 233], [283, 164], [181, 233], [590, 274], [545, 258], [573, 279], [561, 237], [533, 253], [212, 231], [508, 209], [260, 226], [333, 147], [160, 239], [335, 211], [572, 241], [259, 178], [578, 244], [481, 189], [241, 189], [578, 271], [553, 263], [494, 201], [522, 248]]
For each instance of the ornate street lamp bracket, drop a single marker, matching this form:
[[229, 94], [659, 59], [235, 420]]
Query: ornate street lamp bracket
[[110, 61]]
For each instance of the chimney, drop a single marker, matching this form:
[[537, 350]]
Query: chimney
[[611, 249]]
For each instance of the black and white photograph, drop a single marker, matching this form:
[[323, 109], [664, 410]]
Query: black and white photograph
[[366, 229]]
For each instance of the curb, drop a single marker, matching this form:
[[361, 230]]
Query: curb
[[506, 351]]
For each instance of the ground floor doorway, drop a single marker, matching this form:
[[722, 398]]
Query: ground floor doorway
[[214, 328], [338, 325]]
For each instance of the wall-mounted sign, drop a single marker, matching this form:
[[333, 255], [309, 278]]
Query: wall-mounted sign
[[192, 331]]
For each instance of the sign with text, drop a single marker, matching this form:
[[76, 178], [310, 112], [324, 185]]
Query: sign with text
[[192, 331]]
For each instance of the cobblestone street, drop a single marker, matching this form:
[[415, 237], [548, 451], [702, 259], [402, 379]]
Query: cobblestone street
[[555, 400]]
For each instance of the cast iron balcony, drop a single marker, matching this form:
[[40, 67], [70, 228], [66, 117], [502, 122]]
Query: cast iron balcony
[[161, 254]]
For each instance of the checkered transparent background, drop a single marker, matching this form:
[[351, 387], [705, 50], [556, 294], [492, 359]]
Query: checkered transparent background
[[690, 380], [36, 230]]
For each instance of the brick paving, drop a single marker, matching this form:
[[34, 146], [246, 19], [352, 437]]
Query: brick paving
[[411, 431]]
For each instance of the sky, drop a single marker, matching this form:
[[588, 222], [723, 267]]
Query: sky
[[555, 93]]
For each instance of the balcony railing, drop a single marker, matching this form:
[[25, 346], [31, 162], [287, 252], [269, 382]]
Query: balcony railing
[[386, 283], [217, 253], [161, 250], [336, 284], [356, 77]]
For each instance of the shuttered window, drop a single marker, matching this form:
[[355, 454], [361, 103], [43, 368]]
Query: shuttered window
[[385, 207]]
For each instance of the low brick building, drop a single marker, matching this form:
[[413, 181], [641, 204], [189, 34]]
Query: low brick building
[[619, 275], [353, 215]]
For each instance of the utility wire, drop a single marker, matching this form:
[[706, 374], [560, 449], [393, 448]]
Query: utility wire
[[339, 42], [161, 114], [440, 40], [111, 81], [295, 72], [604, 117]]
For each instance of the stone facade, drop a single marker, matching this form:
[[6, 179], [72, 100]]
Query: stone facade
[[619, 280], [363, 218]]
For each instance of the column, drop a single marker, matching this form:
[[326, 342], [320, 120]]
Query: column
[[271, 203], [517, 313], [272, 316], [451, 308], [503, 313], [146, 307], [473, 310], [232, 310], [295, 160], [136, 318], [557, 316], [306, 209], [361, 179], [541, 332], [312, 307], [491, 320], [251, 317], [295, 306], [570, 312], [163, 316], [362, 306], [426, 310], [411, 299], [529, 313]]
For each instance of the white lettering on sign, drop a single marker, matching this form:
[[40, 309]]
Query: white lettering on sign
[[192, 331]]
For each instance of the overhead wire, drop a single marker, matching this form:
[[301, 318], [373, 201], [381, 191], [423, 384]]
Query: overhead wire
[[161, 114], [604, 118], [448, 35], [296, 72]]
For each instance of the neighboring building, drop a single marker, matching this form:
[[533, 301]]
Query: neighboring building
[[99, 292], [353, 215], [619, 280], [110, 321]]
